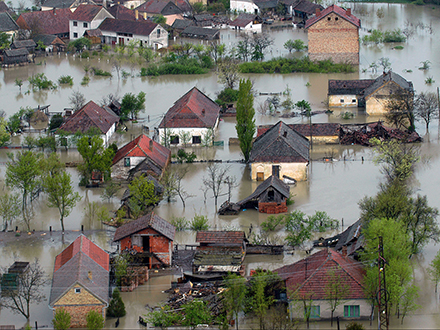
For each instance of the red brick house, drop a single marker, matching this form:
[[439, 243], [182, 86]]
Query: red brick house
[[92, 116], [142, 155], [334, 34], [54, 22], [80, 281], [309, 277], [219, 252], [150, 235], [194, 115]]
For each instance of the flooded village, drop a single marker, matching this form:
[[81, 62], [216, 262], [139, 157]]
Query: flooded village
[[189, 228]]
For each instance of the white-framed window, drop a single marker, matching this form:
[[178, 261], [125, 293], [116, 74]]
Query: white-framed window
[[353, 100], [75, 23], [85, 25], [77, 290], [75, 35]]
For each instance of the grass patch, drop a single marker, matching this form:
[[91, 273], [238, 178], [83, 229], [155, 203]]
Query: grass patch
[[399, 47], [99, 72], [85, 81], [65, 80]]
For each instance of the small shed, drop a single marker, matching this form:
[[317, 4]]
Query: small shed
[[200, 33], [51, 42], [29, 44], [16, 57]]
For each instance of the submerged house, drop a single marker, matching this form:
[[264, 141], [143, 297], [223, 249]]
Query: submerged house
[[219, 253], [247, 22], [280, 151], [150, 237], [80, 281], [371, 94], [15, 57], [309, 278]]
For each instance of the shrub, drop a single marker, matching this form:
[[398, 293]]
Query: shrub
[[61, 320], [56, 121], [354, 326], [40, 81], [272, 222], [105, 48], [116, 307], [347, 115], [65, 80], [228, 95], [398, 47], [85, 81], [99, 72], [180, 223], [95, 321], [394, 36], [85, 54], [429, 80], [199, 222], [95, 53]]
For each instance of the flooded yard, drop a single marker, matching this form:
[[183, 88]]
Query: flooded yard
[[334, 187]]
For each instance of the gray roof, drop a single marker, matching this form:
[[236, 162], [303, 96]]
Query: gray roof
[[348, 87], [263, 4], [24, 43], [388, 77], [46, 39], [76, 271], [151, 220], [58, 3], [197, 31], [16, 52], [280, 144], [182, 24], [271, 181], [7, 23]]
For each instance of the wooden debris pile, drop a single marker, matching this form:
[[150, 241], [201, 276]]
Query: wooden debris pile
[[362, 134]]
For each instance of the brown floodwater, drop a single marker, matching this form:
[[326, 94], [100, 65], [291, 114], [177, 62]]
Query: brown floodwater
[[334, 187]]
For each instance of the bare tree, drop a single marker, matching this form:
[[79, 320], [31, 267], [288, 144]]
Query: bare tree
[[180, 191], [228, 72], [28, 290], [260, 43], [231, 183], [215, 179], [244, 47], [77, 100], [426, 108]]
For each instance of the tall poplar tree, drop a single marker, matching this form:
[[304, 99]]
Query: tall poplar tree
[[245, 117]]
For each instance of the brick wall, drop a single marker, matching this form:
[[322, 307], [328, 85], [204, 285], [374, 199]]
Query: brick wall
[[334, 37], [272, 208]]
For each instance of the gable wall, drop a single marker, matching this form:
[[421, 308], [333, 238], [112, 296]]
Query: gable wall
[[298, 171], [335, 39], [78, 314], [120, 171], [376, 102]]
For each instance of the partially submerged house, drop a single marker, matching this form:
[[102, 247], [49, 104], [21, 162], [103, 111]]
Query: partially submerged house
[[301, 8], [150, 237], [219, 253], [194, 115], [29, 44], [198, 32], [269, 197], [51, 42], [80, 281], [247, 22], [309, 278], [13, 57], [280, 151], [142, 155], [90, 116], [9, 279], [371, 94], [333, 34], [86, 17]]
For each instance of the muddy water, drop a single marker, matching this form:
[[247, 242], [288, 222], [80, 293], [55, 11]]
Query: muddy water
[[335, 187]]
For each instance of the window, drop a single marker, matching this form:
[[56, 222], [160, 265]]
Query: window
[[353, 100], [77, 290], [75, 23], [75, 35], [315, 312], [127, 162], [329, 18], [351, 311], [85, 25], [158, 33], [342, 100], [174, 139], [197, 139], [336, 18]]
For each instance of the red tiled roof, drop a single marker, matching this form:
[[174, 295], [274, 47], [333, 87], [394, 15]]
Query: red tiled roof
[[140, 147], [159, 7], [243, 20], [143, 28], [83, 244], [220, 237], [121, 12], [310, 275], [337, 10], [47, 21], [90, 115], [86, 13], [194, 109]]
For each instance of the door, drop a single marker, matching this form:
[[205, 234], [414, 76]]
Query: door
[[276, 171], [121, 41], [260, 176], [146, 243]]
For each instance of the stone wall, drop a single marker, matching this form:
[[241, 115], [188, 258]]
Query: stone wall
[[334, 37]]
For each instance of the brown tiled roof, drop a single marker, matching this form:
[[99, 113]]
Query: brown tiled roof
[[73, 266], [5, 9], [194, 109], [58, 3], [143, 28], [243, 19], [181, 24], [307, 7], [151, 220], [218, 256], [23, 43], [7, 23], [86, 13], [122, 12], [348, 87], [93, 33], [140, 147], [159, 7], [337, 10], [310, 275], [47, 21], [200, 32], [220, 237], [318, 129], [280, 143], [90, 115], [48, 39]]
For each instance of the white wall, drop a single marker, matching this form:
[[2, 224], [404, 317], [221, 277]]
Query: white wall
[[244, 6]]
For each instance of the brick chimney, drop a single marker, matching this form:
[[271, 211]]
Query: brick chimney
[[54, 11], [318, 12], [151, 145], [136, 14], [145, 15], [203, 112], [89, 275], [344, 250], [348, 11]]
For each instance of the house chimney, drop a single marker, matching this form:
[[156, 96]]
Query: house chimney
[[203, 112], [89, 275], [151, 145], [344, 250], [136, 14], [318, 12], [145, 16], [348, 11], [285, 133], [54, 11]]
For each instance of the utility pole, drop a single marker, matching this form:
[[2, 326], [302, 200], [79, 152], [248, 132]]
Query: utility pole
[[382, 295]]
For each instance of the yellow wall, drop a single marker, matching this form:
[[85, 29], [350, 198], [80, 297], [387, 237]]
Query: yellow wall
[[83, 298], [298, 171], [335, 101]]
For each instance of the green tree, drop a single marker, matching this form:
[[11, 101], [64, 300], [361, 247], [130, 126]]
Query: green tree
[[4, 40], [110, 190], [245, 117], [336, 290], [142, 192], [23, 173], [61, 319], [159, 19], [95, 158], [131, 105], [199, 7], [95, 321], [228, 72], [196, 312], [116, 307], [297, 45], [400, 109], [199, 222], [163, 317], [60, 194], [260, 301], [434, 270], [234, 297], [9, 209], [4, 134], [14, 123], [56, 121]]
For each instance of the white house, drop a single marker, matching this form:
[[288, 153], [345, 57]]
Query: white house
[[86, 17], [148, 33], [193, 118], [246, 6], [247, 22]]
